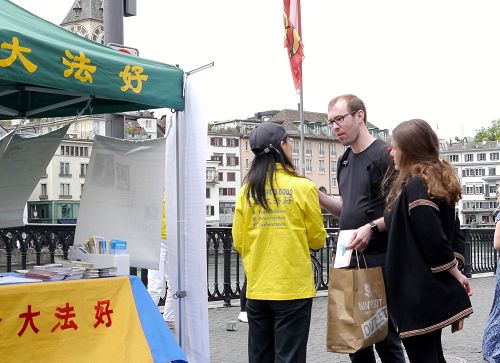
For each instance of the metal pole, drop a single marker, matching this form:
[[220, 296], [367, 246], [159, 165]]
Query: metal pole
[[301, 111], [113, 33], [179, 172]]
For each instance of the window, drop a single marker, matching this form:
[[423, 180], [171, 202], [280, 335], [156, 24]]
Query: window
[[246, 163], [491, 171], [64, 190], [333, 166], [231, 142], [481, 157], [207, 193], [308, 148], [221, 176], [43, 189], [468, 172], [469, 219], [62, 150], [295, 149], [210, 210], [231, 176], [66, 211], [246, 145], [72, 150], [453, 158], [227, 191], [64, 169], [321, 149], [216, 141], [333, 149], [39, 211], [479, 172], [217, 157], [493, 189], [308, 166], [66, 150], [211, 175], [494, 156], [321, 166], [469, 157], [296, 163], [469, 189], [84, 151], [317, 129], [83, 169], [334, 182], [232, 160], [479, 189]]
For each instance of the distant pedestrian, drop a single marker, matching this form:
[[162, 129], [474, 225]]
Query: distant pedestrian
[[425, 289], [491, 339], [277, 220]]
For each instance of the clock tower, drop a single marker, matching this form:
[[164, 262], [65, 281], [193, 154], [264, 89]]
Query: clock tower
[[85, 19]]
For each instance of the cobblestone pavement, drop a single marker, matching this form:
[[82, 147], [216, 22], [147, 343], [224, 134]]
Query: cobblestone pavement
[[463, 346]]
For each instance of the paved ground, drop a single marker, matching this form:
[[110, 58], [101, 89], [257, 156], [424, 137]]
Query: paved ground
[[464, 346]]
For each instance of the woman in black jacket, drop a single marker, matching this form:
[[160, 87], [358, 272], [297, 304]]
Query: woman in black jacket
[[425, 290]]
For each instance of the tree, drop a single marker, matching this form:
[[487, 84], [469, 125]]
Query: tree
[[490, 133]]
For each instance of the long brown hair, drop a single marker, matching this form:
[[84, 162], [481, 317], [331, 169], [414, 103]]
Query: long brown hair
[[419, 147]]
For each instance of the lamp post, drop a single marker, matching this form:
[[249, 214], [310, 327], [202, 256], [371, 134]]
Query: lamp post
[[113, 13]]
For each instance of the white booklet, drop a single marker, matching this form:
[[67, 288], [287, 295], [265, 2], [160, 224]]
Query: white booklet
[[343, 254]]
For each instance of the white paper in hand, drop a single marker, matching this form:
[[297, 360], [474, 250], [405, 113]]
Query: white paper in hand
[[343, 255]]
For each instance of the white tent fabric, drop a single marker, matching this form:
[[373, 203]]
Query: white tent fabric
[[186, 231], [23, 160], [122, 196]]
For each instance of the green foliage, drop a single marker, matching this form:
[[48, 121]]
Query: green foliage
[[490, 133], [210, 125]]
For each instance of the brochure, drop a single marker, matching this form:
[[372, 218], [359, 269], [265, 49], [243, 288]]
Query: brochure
[[343, 254]]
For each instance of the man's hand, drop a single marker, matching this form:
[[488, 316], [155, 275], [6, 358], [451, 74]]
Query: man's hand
[[360, 238]]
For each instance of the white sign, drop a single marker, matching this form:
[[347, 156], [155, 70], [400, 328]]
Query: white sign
[[124, 49]]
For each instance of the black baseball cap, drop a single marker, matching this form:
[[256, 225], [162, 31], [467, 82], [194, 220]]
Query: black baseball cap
[[266, 136]]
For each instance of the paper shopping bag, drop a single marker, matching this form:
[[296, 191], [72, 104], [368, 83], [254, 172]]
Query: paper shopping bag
[[357, 309]]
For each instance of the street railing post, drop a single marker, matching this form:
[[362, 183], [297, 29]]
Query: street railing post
[[468, 252]]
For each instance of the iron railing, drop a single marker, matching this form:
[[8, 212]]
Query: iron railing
[[36, 244]]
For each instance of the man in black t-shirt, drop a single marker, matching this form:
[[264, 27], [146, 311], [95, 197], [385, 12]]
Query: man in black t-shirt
[[360, 172]]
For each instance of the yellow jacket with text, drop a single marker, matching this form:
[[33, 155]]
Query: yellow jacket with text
[[275, 245]]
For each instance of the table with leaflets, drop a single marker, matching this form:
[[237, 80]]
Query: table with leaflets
[[95, 320]]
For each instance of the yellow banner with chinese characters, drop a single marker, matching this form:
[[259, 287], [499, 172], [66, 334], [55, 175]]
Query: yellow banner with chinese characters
[[91, 321]]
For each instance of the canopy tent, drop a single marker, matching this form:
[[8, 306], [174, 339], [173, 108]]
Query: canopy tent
[[47, 71]]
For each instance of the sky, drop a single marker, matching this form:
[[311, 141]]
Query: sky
[[435, 60]]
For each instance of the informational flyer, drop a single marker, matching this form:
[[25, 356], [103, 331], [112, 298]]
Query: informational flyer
[[343, 254]]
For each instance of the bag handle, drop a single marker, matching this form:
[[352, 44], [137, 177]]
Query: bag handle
[[357, 259]]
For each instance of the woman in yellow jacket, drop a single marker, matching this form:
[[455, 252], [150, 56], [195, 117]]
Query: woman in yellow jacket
[[277, 220]]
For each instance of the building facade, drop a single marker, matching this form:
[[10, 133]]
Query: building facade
[[478, 166]]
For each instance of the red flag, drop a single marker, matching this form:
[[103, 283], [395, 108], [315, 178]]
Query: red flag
[[293, 39]]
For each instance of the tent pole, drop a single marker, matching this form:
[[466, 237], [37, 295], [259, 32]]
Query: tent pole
[[180, 193]]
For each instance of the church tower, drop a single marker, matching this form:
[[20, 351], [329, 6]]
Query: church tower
[[85, 19]]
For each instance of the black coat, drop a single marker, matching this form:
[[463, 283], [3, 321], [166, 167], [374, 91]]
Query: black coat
[[422, 295]]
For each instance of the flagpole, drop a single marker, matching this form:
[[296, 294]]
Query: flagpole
[[301, 118]]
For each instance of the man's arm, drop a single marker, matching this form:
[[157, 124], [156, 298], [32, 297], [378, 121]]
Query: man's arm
[[331, 204], [363, 234]]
